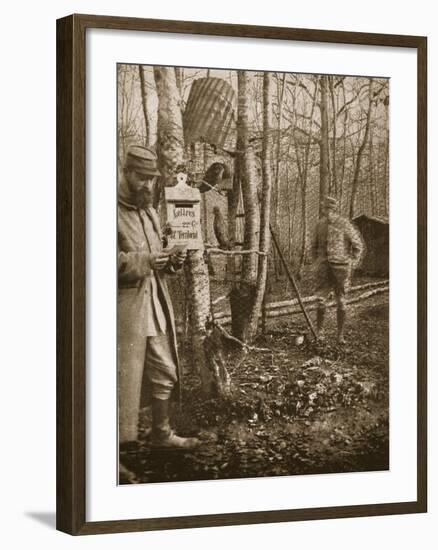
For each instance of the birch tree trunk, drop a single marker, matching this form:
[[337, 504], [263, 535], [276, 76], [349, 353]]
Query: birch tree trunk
[[303, 168], [324, 166], [304, 182], [233, 204], [170, 142], [276, 198], [171, 159], [344, 151], [372, 175], [265, 237], [334, 180], [242, 296], [386, 166], [179, 74], [357, 167], [146, 113], [248, 173]]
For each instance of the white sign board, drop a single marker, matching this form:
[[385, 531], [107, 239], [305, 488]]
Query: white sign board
[[183, 204]]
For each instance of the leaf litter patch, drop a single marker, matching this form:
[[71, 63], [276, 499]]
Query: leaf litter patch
[[317, 408]]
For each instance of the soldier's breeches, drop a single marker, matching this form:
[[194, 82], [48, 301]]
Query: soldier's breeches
[[333, 277], [150, 356], [161, 369]]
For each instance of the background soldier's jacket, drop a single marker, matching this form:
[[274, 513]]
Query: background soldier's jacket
[[338, 242]]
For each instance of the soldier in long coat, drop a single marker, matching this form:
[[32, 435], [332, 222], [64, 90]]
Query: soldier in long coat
[[146, 328]]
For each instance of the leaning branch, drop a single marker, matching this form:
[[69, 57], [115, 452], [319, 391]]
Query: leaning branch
[[234, 252], [246, 347]]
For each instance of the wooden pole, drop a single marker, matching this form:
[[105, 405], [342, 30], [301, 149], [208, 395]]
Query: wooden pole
[[293, 282]]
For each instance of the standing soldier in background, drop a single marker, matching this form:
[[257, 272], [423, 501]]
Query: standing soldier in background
[[338, 248], [146, 329]]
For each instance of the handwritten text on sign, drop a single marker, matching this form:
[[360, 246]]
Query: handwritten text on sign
[[184, 221]]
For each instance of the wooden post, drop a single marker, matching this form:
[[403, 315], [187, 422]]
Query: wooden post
[[294, 284]]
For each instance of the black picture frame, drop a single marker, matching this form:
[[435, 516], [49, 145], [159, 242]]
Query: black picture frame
[[71, 273]]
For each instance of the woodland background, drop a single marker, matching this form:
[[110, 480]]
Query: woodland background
[[265, 149], [29, 514], [325, 127]]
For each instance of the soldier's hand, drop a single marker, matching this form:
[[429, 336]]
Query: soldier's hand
[[178, 258], [159, 261]]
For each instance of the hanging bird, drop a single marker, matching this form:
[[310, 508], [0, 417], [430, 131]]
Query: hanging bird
[[215, 173], [220, 230]]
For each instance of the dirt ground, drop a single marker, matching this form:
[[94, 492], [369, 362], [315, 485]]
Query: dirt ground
[[314, 408]]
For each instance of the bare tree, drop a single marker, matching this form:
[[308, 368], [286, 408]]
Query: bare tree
[[280, 101], [344, 148], [253, 314], [334, 179], [242, 295], [179, 74], [146, 112], [362, 145], [129, 127], [303, 177], [248, 174], [171, 159], [324, 166]]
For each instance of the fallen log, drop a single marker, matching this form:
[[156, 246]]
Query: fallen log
[[307, 299], [224, 318], [291, 307]]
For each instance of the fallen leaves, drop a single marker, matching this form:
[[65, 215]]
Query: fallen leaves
[[313, 409]]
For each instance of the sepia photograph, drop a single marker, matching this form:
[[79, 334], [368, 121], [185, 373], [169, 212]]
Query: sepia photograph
[[253, 273]]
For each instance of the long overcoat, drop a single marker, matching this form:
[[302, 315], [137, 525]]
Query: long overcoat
[[135, 247]]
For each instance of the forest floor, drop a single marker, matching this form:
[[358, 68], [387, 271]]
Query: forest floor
[[314, 408]]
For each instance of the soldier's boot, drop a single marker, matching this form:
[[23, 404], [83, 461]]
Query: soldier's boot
[[320, 318], [341, 315], [163, 436]]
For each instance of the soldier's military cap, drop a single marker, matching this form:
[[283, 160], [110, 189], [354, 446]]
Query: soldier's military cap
[[142, 160]]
